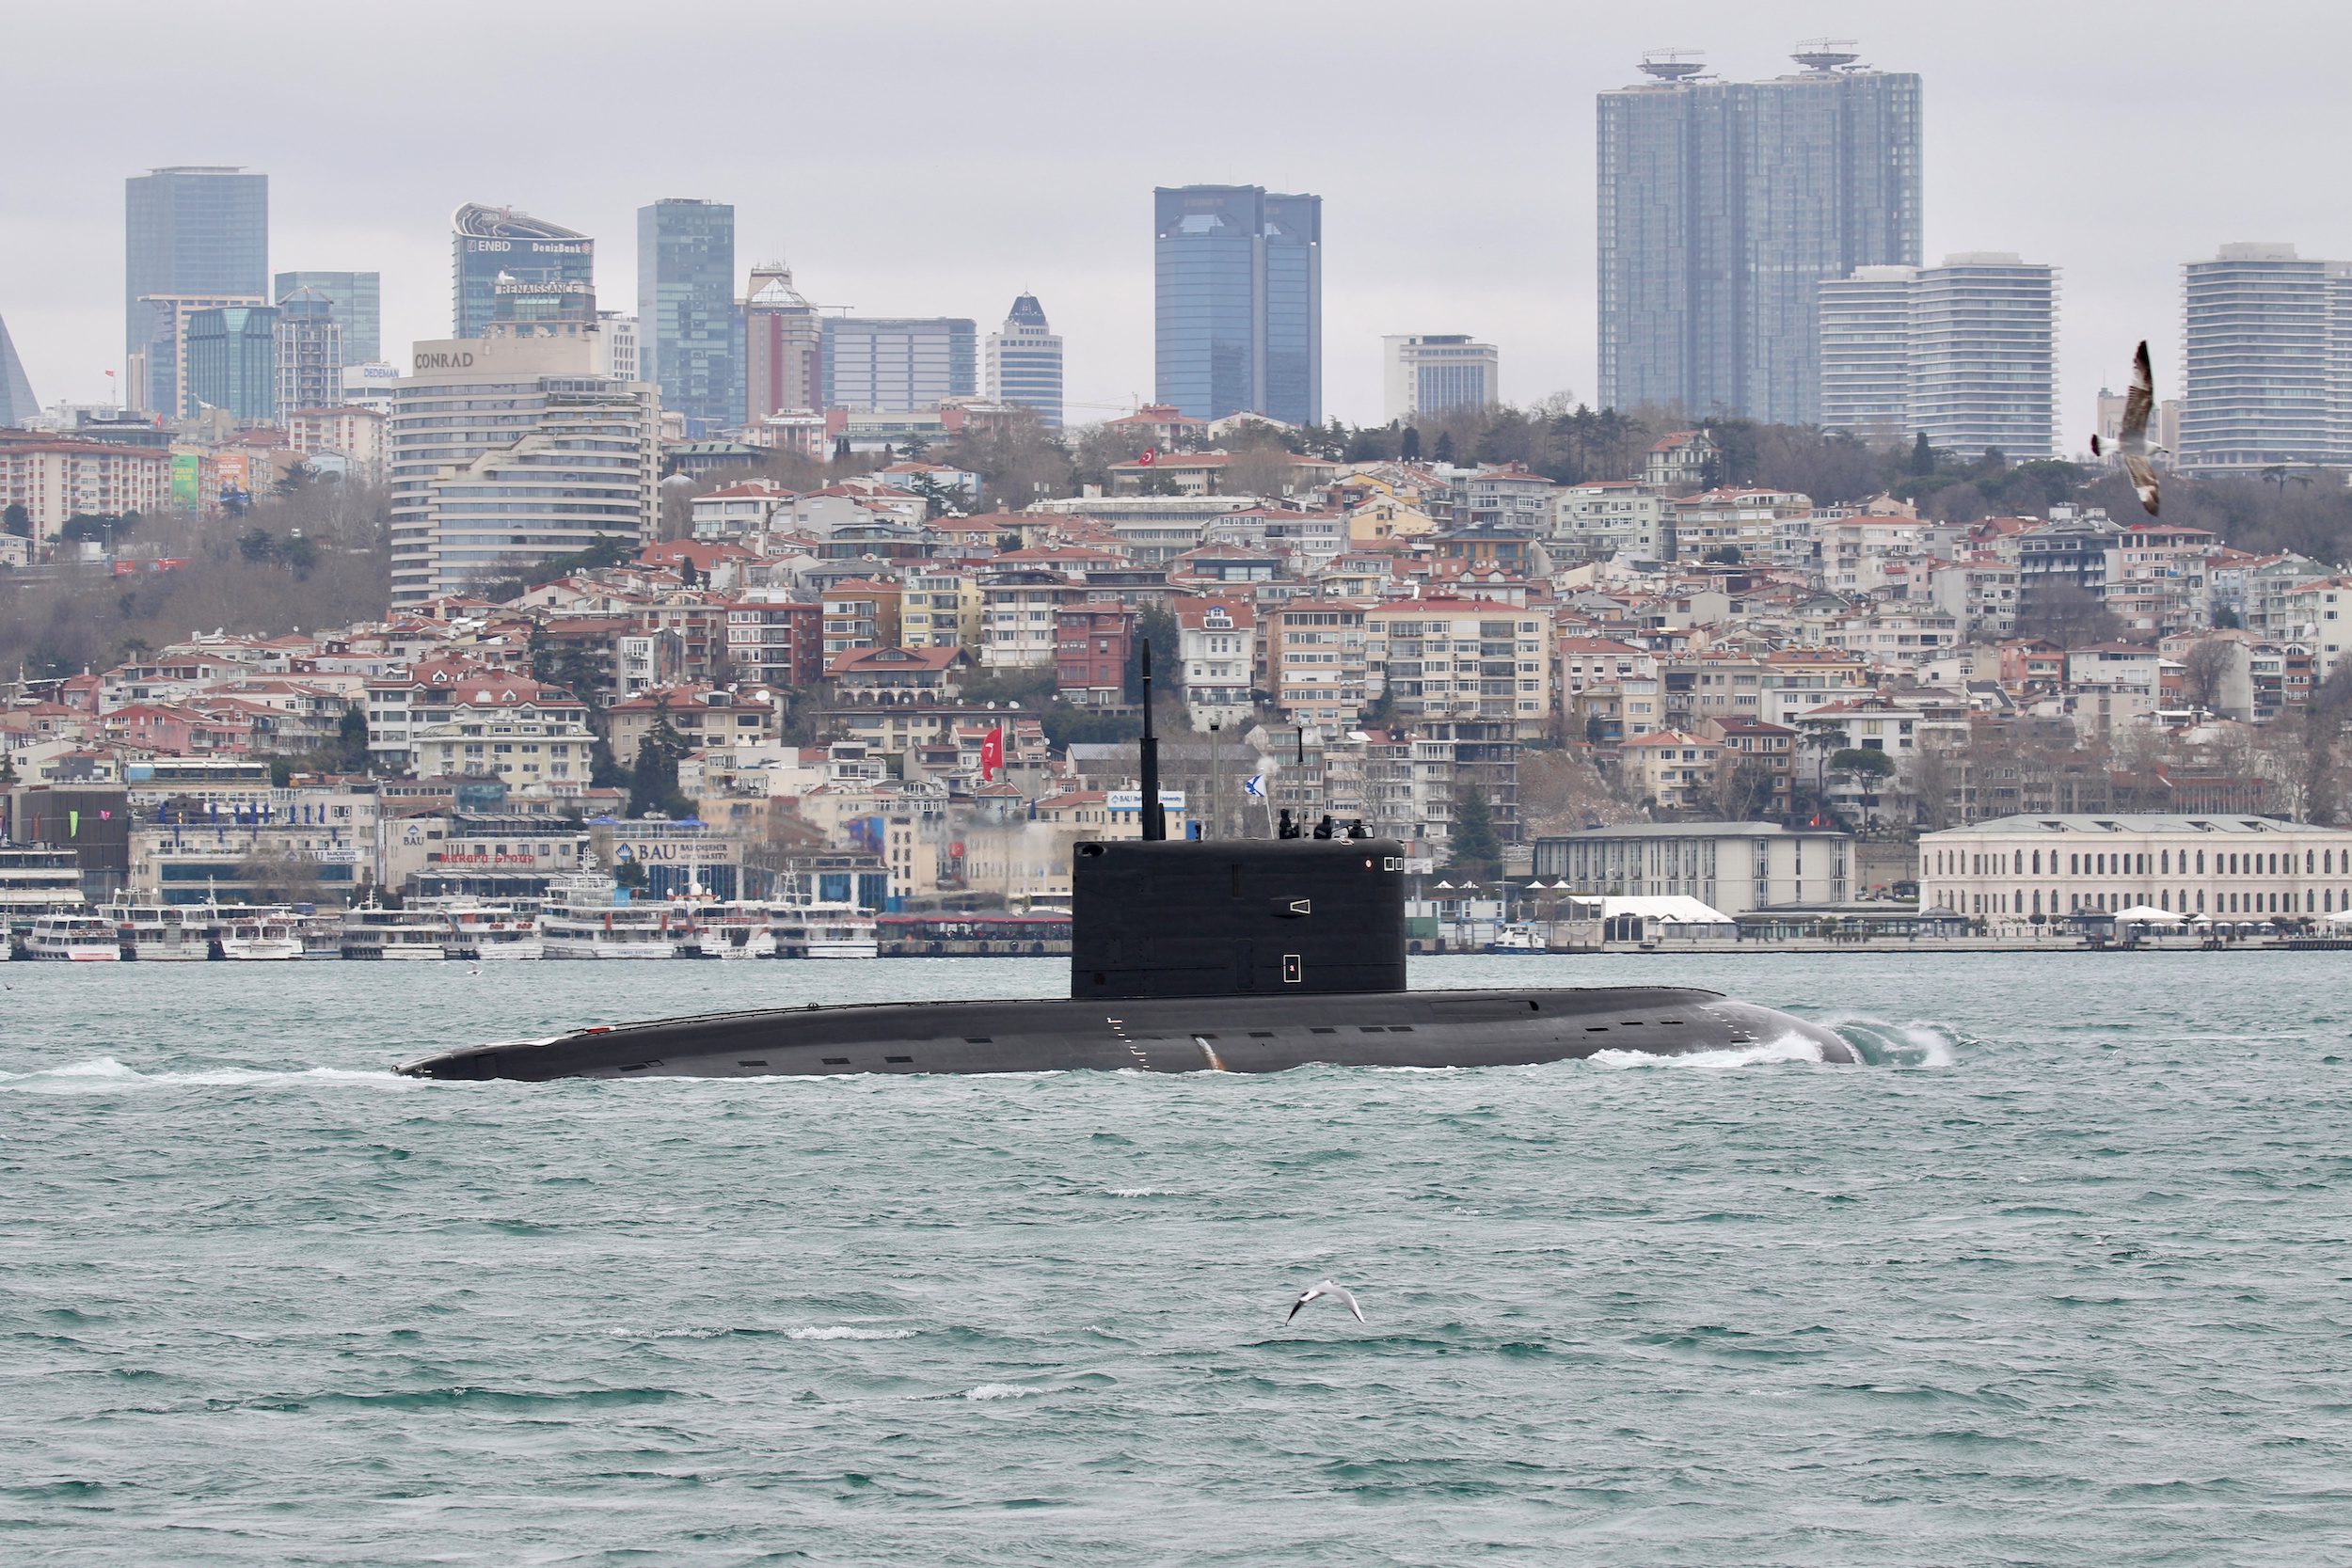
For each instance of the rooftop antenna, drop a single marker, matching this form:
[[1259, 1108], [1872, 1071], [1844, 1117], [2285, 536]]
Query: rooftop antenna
[[1154, 820], [1826, 54], [1674, 64]]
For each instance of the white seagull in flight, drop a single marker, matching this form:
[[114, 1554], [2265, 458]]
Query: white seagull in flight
[[2131, 435], [1327, 1289]]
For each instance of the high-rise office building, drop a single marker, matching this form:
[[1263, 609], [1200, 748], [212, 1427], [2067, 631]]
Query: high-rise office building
[[1237, 279], [358, 300], [17, 402], [1962, 352], [158, 378], [490, 241], [232, 361], [784, 347], [508, 450], [310, 353], [897, 364], [692, 330], [1024, 362], [196, 230], [1722, 208], [1428, 373], [2268, 376]]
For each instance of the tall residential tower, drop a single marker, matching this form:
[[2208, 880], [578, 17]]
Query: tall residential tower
[[1722, 207], [692, 335], [784, 349], [1962, 352], [2270, 367], [1237, 278], [1024, 362], [1433, 371], [359, 301]]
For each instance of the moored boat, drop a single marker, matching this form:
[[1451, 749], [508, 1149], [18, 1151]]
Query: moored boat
[[74, 937], [491, 933], [373, 932]]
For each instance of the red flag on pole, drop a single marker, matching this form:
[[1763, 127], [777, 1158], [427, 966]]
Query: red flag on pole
[[992, 753], [1150, 455]]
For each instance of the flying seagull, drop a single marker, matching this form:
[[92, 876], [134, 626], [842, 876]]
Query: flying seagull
[[2131, 436], [1327, 1289]]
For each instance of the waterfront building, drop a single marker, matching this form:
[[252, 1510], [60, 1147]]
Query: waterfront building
[[490, 241], [1735, 867], [784, 351], [1432, 372], [358, 300], [1237, 278], [1722, 208], [2013, 869], [17, 404], [692, 333], [509, 450], [1024, 362], [2269, 333], [897, 364], [232, 361], [310, 352], [192, 230], [1962, 352]]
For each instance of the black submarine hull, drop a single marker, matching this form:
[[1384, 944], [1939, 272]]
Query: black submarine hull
[[1207, 1034]]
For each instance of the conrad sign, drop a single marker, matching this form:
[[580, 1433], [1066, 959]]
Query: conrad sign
[[442, 360]]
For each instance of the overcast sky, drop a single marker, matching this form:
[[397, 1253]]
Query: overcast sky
[[935, 159]]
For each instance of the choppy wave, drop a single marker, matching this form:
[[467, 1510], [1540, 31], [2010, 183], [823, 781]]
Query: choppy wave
[[848, 1331], [1003, 1391]]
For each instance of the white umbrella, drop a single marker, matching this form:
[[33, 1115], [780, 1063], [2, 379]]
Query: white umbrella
[[2147, 914]]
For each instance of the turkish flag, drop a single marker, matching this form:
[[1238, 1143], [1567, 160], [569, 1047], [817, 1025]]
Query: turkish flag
[[1150, 455], [992, 753]]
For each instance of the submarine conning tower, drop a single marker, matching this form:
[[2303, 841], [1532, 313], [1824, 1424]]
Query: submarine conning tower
[[1237, 917]]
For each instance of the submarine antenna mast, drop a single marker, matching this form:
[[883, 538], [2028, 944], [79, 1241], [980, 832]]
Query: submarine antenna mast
[[1154, 820]]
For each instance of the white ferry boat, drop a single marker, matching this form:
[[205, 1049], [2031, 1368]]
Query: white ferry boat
[[76, 937], [372, 931], [162, 933], [581, 921], [742, 929], [802, 932], [260, 936], [490, 933], [34, 882]]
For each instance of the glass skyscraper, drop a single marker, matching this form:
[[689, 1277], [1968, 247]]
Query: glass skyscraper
[[691, 329], [1237, 276], [894, 365], [17, 402], [310, 353], [1722, 208], [192, 230], [1024, 362], [232, 361], [357, 298], [488, 240]]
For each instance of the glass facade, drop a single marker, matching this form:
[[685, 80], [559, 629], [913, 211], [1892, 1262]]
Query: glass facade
[[1024, 362], [784, 347], [358, 300], [1430, 372], [1723, 206], [17, 402], [192, 230], [691, 329], [1237, 278], [894, 365], [490, 241], [232, 361]]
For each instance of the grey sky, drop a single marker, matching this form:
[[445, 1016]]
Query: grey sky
[[925, 158]]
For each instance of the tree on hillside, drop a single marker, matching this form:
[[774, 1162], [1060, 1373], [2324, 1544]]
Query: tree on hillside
[[1475, 852], [2068, 614], [2204, 667], [17, 520], [1155, 624], [652, 784]]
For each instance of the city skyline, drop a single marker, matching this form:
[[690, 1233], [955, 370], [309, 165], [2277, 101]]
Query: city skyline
[[2015, 138]]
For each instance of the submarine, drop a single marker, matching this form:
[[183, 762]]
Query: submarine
[[1186, 955]]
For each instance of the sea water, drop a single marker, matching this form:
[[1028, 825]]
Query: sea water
[[2060, 1276]]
